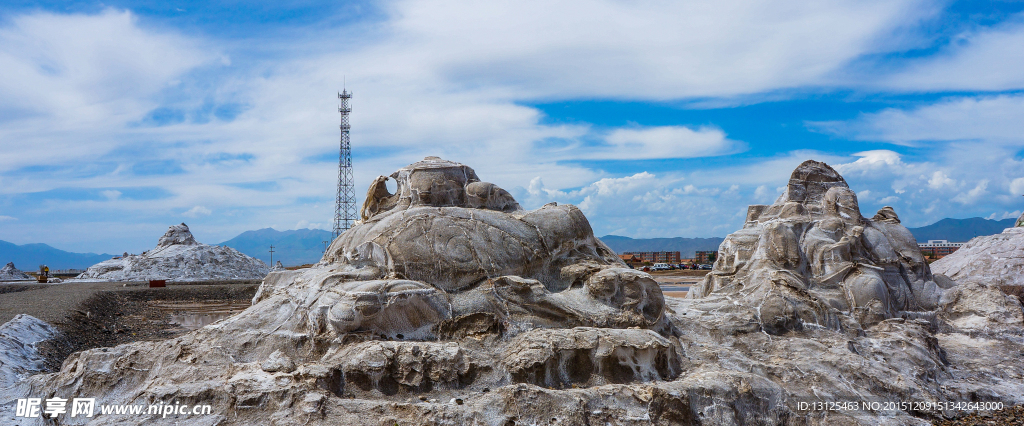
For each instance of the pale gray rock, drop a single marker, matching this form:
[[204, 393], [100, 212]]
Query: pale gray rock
[[525, 318], [994, 260], [178, 257], [972, 307], [811, 257], [10, 273], [18, 355]]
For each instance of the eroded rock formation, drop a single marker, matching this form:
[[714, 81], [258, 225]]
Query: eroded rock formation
[[811, 256], [178, 257], [450, 305]]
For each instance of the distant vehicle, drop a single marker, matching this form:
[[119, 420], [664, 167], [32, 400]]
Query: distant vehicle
[[660, 267], [705, 267]]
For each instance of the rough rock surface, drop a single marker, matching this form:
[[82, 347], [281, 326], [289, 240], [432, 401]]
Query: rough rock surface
[[178, 257], [11, 273], [811, 256], [994, 259], [18, 355], [444, 309]]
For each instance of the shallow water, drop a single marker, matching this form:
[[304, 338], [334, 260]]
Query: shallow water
[[195, 315]]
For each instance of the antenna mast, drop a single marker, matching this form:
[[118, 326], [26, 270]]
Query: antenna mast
[[345, 206]]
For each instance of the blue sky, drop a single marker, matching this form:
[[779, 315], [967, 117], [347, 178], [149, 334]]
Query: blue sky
[[659, 118]]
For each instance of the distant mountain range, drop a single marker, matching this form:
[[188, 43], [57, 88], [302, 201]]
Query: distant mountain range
[[292, 248], [960, 230], [28, 257], [302, 246]]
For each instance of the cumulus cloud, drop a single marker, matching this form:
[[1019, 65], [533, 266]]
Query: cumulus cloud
[[197, 211], [974, 194], [1017, 186], [1005, 215], [939, 180]]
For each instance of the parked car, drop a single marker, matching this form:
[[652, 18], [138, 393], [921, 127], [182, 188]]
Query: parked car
[[705, 267], [660, 267]]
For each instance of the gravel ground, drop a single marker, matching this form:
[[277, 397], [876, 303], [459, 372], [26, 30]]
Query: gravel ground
[[111, 318], [48, 302]]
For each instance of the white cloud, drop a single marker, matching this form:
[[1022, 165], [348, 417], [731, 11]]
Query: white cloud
[[668, 49], [974, 194], [1017, 186], [762, 194], [1005, 215], [7, 218], [995, 119], [111, 194], [663, 142], [939, 180], [444, 78], [988, 58], [197, 211], [70, 83]]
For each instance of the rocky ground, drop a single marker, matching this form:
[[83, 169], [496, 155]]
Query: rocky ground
[[111, 318]]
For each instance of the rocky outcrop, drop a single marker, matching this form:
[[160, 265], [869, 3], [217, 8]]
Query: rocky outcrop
[[178, 257], [10, 273], [445, 306], [993, 260], [811, 258]]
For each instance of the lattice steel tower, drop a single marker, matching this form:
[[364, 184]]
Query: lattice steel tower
[[345, 207]]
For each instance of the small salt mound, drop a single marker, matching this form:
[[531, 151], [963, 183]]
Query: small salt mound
[[11, 273], [178, 257], [18, 355]]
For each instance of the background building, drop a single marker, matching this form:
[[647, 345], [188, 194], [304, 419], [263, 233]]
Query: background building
[[706, 257], [657, 256], [631, 260], [938, 249]]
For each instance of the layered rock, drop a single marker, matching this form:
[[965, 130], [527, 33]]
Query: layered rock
[[993, 260], [811, 256], [178, 257], [10, 273]]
